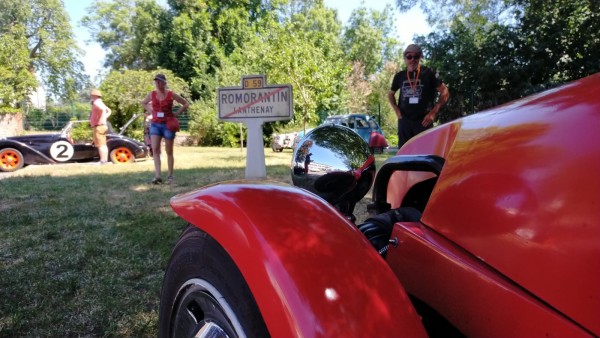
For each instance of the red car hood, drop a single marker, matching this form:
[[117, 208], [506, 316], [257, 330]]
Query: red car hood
[[520, 189]]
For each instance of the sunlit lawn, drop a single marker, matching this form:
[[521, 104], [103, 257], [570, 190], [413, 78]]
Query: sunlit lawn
[[83, 247]]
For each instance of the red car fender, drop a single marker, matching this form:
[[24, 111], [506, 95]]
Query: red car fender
[[471, 295], [519, 191], [312, 273]]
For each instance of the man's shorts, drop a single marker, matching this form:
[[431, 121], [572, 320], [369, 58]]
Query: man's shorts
[[100, 135], [160, 129]]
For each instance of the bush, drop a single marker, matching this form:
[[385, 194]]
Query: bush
[[9, 110], [204, 124], [82, 132]]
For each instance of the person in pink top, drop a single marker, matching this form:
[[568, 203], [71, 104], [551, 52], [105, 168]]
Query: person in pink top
[[98, 120], [160, 103]]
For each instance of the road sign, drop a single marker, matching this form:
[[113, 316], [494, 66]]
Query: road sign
[[255, 100], [253, 103]]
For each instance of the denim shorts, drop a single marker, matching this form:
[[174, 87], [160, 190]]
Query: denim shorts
[[161, 130]]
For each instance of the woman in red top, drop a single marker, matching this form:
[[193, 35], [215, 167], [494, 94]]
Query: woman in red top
[[160, 103]]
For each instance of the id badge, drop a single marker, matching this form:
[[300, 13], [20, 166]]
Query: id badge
[[413, 100], [160, 114]]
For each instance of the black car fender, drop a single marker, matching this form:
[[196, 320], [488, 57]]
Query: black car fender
[[30, 155], [137, 148]]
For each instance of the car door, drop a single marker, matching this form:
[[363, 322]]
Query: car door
[[361, 127]]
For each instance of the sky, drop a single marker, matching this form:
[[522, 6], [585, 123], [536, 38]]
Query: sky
[[407, 25]]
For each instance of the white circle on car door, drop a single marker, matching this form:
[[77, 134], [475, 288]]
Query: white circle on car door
[[61, 151]]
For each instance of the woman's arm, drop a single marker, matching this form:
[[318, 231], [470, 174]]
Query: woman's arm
[[184, 104], [146, 103]]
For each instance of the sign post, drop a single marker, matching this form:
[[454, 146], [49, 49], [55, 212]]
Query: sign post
[[254, 103]]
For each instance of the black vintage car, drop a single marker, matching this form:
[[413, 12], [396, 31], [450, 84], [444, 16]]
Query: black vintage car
[[72, 144]]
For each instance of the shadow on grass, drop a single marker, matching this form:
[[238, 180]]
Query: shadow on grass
[[84, 254]]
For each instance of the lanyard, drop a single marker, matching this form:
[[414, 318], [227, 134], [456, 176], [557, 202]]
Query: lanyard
[[413, 87]]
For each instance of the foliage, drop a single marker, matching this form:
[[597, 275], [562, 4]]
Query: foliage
[[441, 13], [561, 39], [368, 38], [359, 89], [304, 50], [129, 30], [191, 39], [488, 62], [487, 52], [52, 118], [378, 105], [36, 38], [56, 115], [123, 92], [16, 81], [204, 124], [81, 132], [9, 110], [207, 43]]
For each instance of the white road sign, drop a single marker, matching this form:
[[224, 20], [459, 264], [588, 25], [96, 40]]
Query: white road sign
[[255, 100], [254, 103]]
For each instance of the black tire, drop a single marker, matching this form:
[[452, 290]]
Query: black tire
[[11, 160], [203, 288]]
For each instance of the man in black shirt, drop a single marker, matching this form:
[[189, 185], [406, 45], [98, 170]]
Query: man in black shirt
[[415, 107]]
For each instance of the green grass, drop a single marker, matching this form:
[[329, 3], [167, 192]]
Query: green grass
[[83, 247]]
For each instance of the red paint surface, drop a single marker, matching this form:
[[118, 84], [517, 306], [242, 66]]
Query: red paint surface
[[520, 191], [312, 273]]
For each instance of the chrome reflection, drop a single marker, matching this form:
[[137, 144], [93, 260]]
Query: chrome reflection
[[335, 163]]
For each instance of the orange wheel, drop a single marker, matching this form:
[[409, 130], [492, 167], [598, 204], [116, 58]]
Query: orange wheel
[[121, 155], [11, 159]]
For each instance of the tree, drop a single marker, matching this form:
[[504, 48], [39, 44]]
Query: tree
[[358, 88], [131, 31], [123, 92], [36, 38], [561, 39], [377, 101], [16, 81], [368, 38], [305, 51], [192, 39], [486, 63], [296, 43], [441, 13]]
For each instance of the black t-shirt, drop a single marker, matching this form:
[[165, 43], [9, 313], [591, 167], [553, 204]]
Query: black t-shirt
[[415, 105]]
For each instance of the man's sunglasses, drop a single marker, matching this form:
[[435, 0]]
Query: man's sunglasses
[[410, 56]]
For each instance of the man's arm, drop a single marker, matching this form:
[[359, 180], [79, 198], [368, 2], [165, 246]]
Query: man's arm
[[392, 100], [444, 95], [107, 112]]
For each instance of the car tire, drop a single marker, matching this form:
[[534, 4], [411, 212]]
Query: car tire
[[121, 155], [11, 159], [204, 290]]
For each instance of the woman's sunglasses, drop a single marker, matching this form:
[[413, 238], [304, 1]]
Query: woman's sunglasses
[[411, 56]]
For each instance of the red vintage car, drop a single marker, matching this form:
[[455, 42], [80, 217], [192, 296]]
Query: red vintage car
[[486, 226]]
